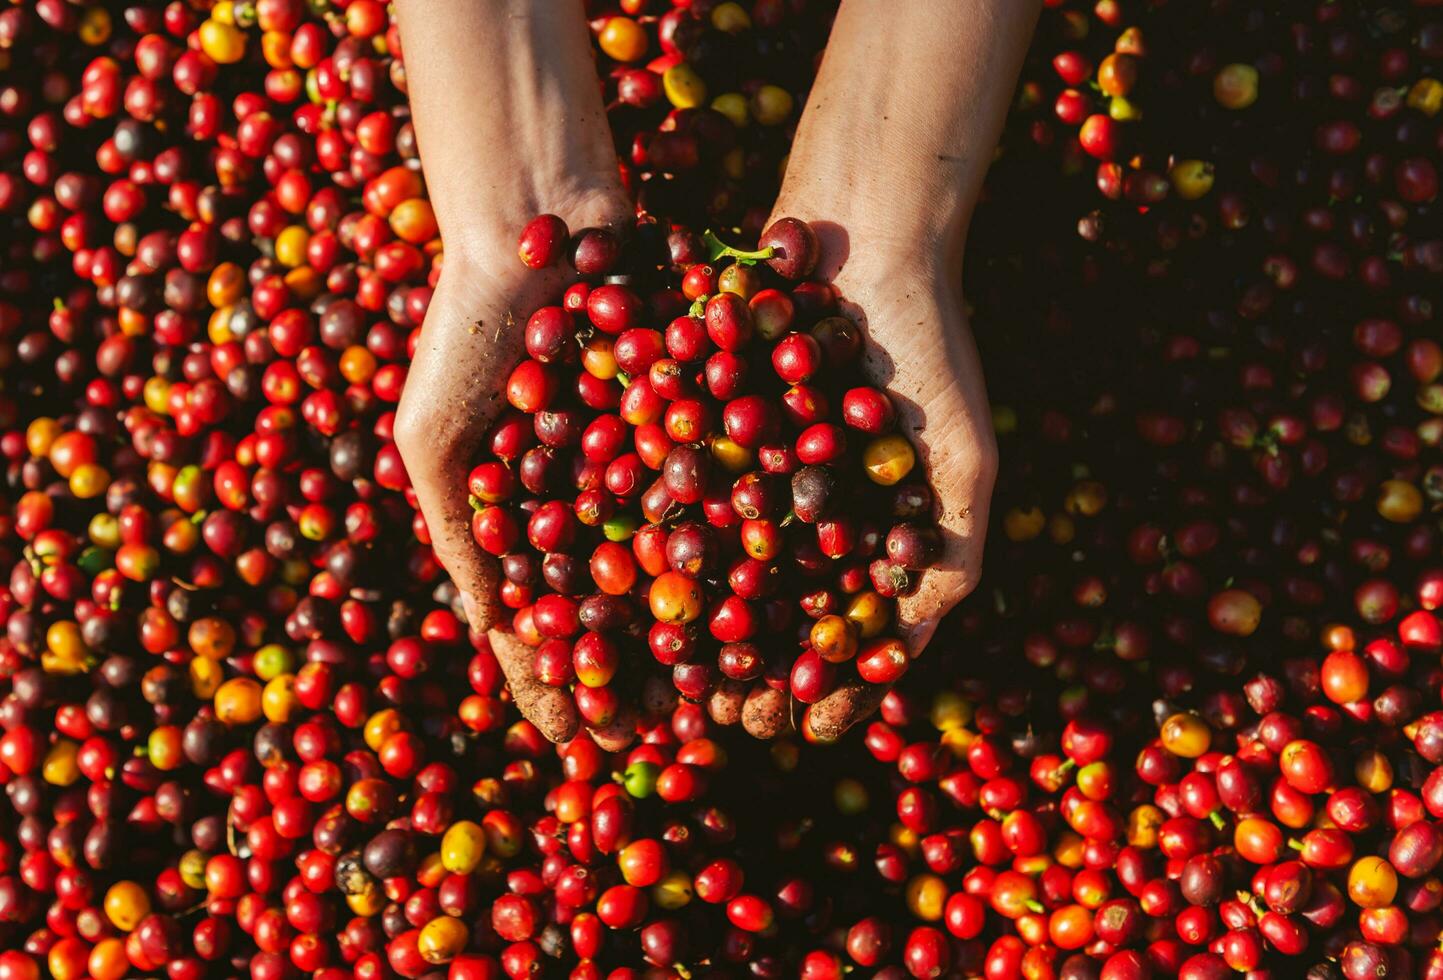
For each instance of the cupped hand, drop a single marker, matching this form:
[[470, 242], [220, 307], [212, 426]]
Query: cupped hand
[[471, 340], [919, 348]]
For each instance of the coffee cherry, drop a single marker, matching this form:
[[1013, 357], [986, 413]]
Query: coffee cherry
[[542, 241], [794, 246]]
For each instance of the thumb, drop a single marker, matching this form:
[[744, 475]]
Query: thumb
[[619, 733]]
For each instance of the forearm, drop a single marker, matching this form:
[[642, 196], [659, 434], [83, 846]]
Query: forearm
[[902, 121], [508, 114]]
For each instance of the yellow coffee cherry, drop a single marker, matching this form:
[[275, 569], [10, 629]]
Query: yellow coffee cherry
[[869, 612], [1399, 501], [1191, 179], [126, 903], [39, 435], [673, 891], [888, 460], [291, 246], [59, 768], [238, 701], [1236, 86], [734, 458], [380, 726], [278, 698], [926, 897], [442, 939], [730, 17], [1185, 735], [95, 26], [206, 677], [224, 43], [1372, 883], [771, 105], [622, 39], [950, 711], [462, 847], [733, 105], [684, 88], [1023, 524]]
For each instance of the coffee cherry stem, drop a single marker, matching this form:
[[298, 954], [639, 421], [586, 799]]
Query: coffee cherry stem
[[1251, 901], [716, 249]]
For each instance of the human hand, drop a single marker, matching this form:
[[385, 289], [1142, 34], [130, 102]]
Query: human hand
[[510, 124], [887, 165], [906, 295], [456, 387]]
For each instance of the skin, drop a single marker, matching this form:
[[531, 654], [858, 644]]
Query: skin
[[887, 165]]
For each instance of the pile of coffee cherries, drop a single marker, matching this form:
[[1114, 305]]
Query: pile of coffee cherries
[[1188, 725], [217, 690], [694, 464]]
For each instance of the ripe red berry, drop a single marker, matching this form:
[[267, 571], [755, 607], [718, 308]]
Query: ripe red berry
[[542, 241]]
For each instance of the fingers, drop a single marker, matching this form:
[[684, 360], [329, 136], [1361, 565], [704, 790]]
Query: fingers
[[550, 709], [830, 717], [767, 712], [617, 735], [724, 706]]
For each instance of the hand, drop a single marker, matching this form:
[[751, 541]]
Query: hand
[[887, 165], [908, 301], [471, 340], [510, 125]]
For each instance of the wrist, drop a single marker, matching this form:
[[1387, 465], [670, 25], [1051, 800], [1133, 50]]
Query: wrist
[[902, 230], [859, 244], [488, 234]]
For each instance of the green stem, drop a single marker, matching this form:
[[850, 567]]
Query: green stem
[[717, 249]]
